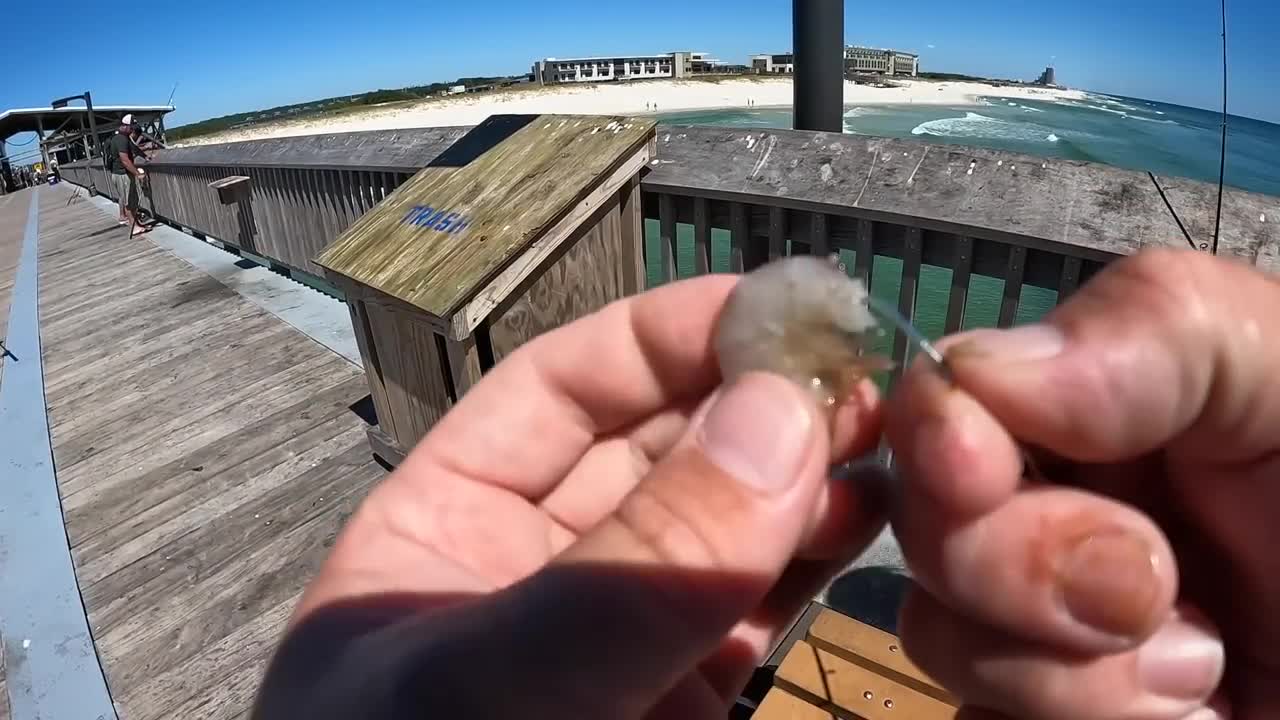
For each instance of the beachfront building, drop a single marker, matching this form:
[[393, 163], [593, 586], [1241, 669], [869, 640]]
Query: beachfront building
[[775, 63], [677, 65], [858, 59], [1048, 77]]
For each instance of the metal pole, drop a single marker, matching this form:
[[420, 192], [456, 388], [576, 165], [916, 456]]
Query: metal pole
[[93, 130], [44, 149], [818, 43], [84, 138]]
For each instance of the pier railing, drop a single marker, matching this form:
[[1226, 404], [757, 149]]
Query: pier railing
[[729, 199]]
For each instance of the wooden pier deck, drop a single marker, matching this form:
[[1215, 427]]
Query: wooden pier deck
[[206, 455]]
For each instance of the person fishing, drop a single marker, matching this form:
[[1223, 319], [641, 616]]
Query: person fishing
[[629, 544], [122, 151]]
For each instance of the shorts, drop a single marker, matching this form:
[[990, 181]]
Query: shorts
[[126, 187]]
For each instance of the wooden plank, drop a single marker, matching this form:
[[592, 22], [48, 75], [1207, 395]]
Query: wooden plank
[[411, 372], [399, 150], [1062, 206], [864, 252], [205, 485], [492, 198], [464, 364], [634, 269], [1012, 287], [600, 200], [121, 512], [819, 240], [740, 239], [545, 305], [777, 233], [701, 237], [273, 565], [961, 264], [874, 649], [387, 450], [120, 560], [372, 365], [1070, 277], [852, 691], [176, 689], [779, 704], [907, 293], [667, 239]]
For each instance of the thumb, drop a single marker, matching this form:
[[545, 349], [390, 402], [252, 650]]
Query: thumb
[[693, 549], [1161, 345]]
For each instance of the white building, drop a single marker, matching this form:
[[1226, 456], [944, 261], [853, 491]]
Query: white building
[[623, 67], [876, 60], [775, 63]]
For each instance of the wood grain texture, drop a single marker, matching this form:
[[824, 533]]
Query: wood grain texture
[[207, 455], [1071, 207], [872, 648], [508, 196], [404, 150], [586, 277], [603, 198], [958, 300], [851, 691], [631, 213], [464, 364], [412, 371], [779, 704]]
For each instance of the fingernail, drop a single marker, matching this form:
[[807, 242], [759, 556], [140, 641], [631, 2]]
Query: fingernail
[[759, 430], [1028, 342], [1109, 582], [1181, 662]]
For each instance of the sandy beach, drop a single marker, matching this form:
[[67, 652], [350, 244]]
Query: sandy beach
[[636, 98]]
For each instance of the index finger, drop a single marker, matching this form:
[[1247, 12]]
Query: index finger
[[526, 424]]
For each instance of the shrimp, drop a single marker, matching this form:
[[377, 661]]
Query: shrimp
[[803, 318]]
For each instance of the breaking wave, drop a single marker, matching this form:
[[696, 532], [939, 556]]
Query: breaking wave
[[974, 125], [1128, 113], [860, 111]]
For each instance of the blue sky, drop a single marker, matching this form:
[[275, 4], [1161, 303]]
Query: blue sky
[[236, 56]]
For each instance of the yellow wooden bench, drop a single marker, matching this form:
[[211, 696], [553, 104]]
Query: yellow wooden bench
[[846, 669]]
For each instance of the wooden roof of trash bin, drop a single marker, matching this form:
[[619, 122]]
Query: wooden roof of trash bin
[[442, 235]]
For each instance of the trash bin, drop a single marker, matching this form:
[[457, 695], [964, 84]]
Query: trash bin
[[525, 223]]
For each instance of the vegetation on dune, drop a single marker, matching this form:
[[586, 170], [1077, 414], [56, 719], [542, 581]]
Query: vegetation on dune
[[325, 106]]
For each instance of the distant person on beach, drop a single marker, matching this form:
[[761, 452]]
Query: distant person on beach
[[628, 544], [122, 150]]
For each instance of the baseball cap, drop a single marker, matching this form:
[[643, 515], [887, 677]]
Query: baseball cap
[[127, 119]]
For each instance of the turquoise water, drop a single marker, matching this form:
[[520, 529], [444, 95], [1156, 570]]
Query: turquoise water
[[1125, 132], [933, 292]]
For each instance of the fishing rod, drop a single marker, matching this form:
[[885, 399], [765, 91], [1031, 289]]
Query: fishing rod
[[1222, 163]]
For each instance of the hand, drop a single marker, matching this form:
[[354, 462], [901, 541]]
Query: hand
[[593, 531], [1109, 594]]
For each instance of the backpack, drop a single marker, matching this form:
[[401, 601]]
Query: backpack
[[111, 157]]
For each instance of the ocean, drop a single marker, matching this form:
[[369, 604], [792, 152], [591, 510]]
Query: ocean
[[1125, 132]]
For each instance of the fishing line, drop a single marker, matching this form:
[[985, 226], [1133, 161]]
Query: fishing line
[[1172, 212], [899, 321]]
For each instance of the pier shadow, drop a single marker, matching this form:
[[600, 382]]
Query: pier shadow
[[197, 290], [480, 139], [246, 225], [364, 409]]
